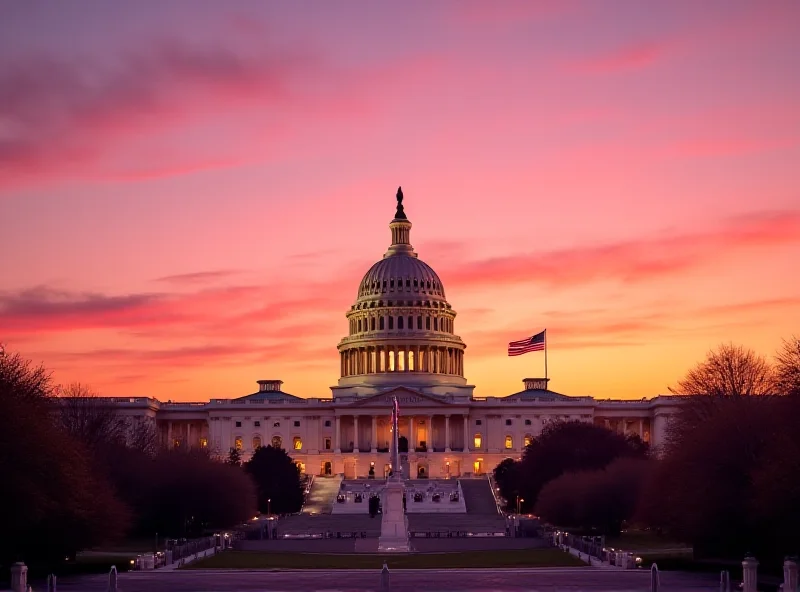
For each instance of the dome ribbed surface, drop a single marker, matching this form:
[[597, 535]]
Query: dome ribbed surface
[[401, 274]]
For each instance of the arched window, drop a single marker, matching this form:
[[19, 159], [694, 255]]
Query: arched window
[[476, 441], [277, 442], [297, 443], [509, 442], [237, 443], [380, 323], [419, 323], [435, 324], [391, 323], [359, 325], [372, 324], [410, 322], [428, 323], [528, 440], [256, 442], [399, 323]]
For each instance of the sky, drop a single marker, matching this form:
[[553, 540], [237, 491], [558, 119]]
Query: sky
[[191, 191]]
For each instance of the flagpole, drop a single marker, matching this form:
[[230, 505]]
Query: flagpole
[[545, 356]]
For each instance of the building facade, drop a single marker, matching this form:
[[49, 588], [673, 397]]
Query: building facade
[[401, 343]]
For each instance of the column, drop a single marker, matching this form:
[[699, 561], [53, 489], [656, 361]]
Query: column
[[169, 436], [337, 444], [188, 435], [355, 433], [430, 440], [466, 433], [641, 428], [374, 434], [447, 433], [412, 437], [405, 359]]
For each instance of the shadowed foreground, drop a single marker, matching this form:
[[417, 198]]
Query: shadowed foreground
[[497, 580]]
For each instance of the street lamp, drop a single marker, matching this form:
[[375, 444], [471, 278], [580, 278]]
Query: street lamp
[[269, 512], [519, 501]]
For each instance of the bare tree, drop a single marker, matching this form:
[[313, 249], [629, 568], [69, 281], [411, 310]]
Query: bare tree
[[89, 418], [143, 436], [730, 371], [787, 367]]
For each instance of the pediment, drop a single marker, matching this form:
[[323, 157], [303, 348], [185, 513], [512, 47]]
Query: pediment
[[406, 397]]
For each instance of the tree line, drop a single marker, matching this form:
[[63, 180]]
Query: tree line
[[726, 480], [77, 475]]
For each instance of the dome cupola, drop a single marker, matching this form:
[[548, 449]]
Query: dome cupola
[[401, 325]]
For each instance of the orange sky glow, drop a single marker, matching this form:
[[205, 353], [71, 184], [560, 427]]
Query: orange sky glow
[[190, 193]]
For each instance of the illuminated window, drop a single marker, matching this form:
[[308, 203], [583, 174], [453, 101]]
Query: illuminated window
[[528, 439], [277, 442], [238, 443], [297, 443], [327, 443], [509, 443], [477, 441], [256, 442], [203, 442], [176, 443]]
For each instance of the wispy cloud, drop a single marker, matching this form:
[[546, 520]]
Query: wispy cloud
[[630, 261], [197, 277]]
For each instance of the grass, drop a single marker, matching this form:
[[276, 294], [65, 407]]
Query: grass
[[644, 540], [272, 560]]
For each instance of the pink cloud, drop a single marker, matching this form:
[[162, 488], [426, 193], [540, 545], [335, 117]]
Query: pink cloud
[[630, 57], [638, 260]]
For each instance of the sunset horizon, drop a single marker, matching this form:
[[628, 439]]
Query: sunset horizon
[[191, 208]]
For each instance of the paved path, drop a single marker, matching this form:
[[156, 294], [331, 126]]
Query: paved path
[[496, 580]]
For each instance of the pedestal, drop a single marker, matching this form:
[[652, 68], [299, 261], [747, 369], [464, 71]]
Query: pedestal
[[394, 524]]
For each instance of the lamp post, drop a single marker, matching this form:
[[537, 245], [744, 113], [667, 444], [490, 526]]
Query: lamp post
[[269, 509], [519, 502]]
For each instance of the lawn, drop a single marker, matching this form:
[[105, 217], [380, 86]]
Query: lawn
[[507, 558], [644, 540]]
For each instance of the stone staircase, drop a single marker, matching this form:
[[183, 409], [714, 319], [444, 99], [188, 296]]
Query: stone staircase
[[306, 524], [420, 524], [478, 497], [322, 496]]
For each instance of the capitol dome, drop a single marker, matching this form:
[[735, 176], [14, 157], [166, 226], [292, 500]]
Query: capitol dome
[[401, 325]]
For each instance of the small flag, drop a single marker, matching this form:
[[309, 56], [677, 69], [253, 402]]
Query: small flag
[[523, 346]]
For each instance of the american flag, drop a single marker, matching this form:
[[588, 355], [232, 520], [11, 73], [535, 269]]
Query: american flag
[[523, 346]]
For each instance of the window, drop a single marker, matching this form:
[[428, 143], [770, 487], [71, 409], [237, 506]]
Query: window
[[297, 424], [399, 323], [380, 323], [257, 424], [327, 423], [435, 324], [238, 443], [277, 424], [410, 322], [528, 439], [509, 443], [478, 422], [391, 323], [238, 424], [428, 323], [508, 422], [277, 442], [203, 442], [327, 443], [372, 324], [527, 422], [419, 323], [256, 442], [477, 441], [297, 443]]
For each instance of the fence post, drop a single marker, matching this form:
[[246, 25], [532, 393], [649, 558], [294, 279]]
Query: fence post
[[725, 581], [112, 579], [750, 574], [19, 577], [790, 579], [385, 586], [654, 579]]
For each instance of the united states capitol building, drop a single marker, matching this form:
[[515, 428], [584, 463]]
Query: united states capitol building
[[401, 342]]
